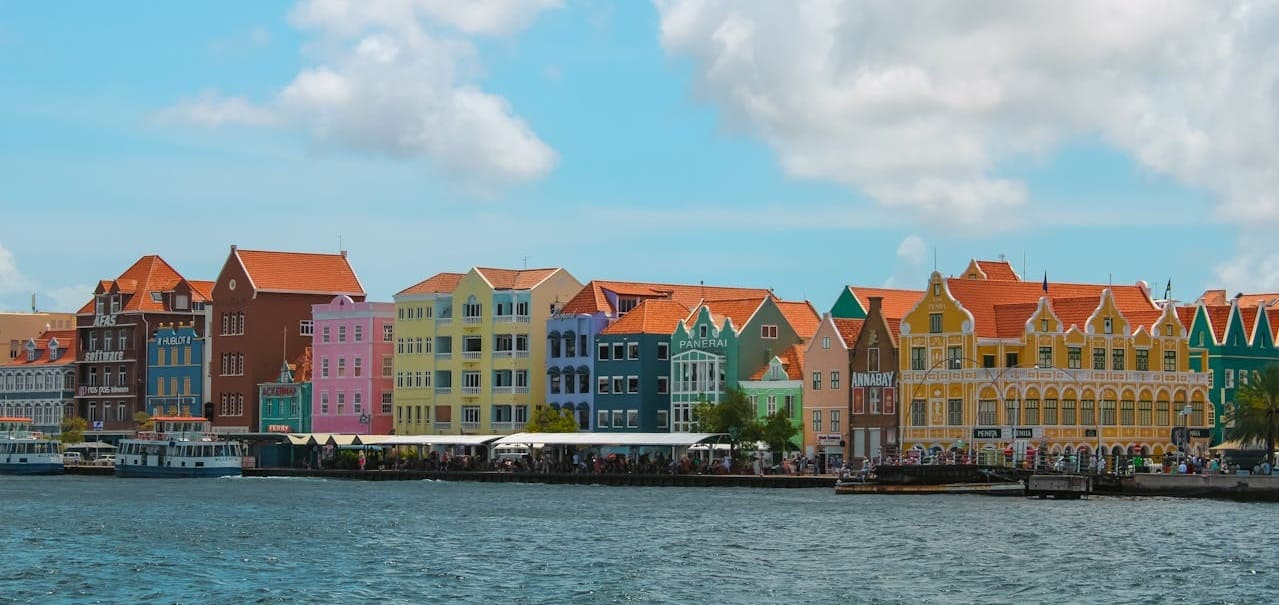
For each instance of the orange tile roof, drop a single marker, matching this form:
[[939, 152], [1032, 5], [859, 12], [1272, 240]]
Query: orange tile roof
[[514, 279], [896, 303], [440, 283], [895, 328], [738, 310], [801, 316], [1214, 297], [1000, 270], [1252, 300], [66, 344], [592, 298], [308, 272], [1249, 317], [792, 362], [203, 288], [1272, 316], [1218, 317], [302, 366], [981, 297], [1010, 319], [849, 329], [148, 274], [654, 316], [1186, 315]]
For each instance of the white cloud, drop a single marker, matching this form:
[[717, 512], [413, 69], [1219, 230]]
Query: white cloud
[[911, 250], [918, 104], [390, 81], [12, 281], [907, 270], [66, 299]]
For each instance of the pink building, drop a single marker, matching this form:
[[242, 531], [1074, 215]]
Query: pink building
[[352, 372]]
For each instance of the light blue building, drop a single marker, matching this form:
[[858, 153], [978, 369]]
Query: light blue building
[[175, 372]]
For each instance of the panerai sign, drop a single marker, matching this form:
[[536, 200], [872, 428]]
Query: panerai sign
[[874, 379], [703, 343]]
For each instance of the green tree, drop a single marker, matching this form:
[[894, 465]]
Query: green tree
[[733, 415], [548, 420], [73, 428], [777, 432], [1254, 416], [143, 420]]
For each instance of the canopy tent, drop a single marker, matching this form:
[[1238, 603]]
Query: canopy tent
[[613, 439], [1238, 445], [437, 440]]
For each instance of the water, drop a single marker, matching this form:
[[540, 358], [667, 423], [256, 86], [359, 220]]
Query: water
[[106, 540]]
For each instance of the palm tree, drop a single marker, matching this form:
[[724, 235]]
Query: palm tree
[[1254, 416]]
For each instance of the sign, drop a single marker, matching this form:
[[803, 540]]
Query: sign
[[279, 391], [104, 390], [828, 440], [1090, 432], [1200, 433], [103, 321], [995, 433], [104, 356], [1180, 435], [173, 340], [279, 428], [874, 379], [704, 343], [1026, 433], [97, 425]]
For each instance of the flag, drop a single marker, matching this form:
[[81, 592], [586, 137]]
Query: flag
[[1045, 282], [1168, 289]]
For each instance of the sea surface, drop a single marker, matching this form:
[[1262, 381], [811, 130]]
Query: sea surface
[[80, 539]]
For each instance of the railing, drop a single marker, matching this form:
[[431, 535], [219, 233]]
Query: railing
[[503, 354], [504, 389], [444, 321], [444, 354], [521, 354], [470, 390], [443, 390], [443, 426], [472, 319], [503, 318], [502, 427], [522, 319], [472, 354], [521, 390], [470, 426], [1056, 374]]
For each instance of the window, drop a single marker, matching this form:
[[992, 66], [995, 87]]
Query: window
[[1108, 412], [386, 403], [341, 402], [918, 412], [619, 384], [1230, 379], [954, 412], [324, 402], [632, 350], [917, 358], [324, 367], [359, 333], [701, 331], [341, 333], [663, 419], [1143, 412], [872, 359], [632, 419], [1162, 414], [1050, 412], [1117, 360], [1098, 358], [619, 351], [388, 364], [306, 327], [357, 402], [817, 421], [341, 367], [632, 384], [934, 323], [825, 342], [324, 334], [987, 412], [602, 351], [124, 340], [1170, 361], [1032, 412], [768, 331], [388, 331], [834, 421], [663, 385], [357, 368], [817, 381], [1068, 412], [663, 351], [470, 414], [1011, 360], [617, 419], [570, 345], [1143, 360], [834, 380], [1074, 357], [1043, 324], [601, 419], [937, 289], [601, 387], [987, 361], [955, 358], [1011, 411], [1045, 357], [1108, 326]]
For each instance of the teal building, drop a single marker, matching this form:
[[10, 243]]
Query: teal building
[[285, 405], [1233, 339]]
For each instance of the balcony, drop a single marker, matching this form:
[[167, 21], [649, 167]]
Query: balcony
[[521, 354], [523, 319], [472, 319], [520, 390], [472, 354], [504, 389], [444, 321], [443, 390], [470, 390], [497, 319], [503, 354], [443, 426], [444, 355], [507, 427], [470, 426]]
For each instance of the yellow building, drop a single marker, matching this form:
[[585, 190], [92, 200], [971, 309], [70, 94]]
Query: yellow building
[[1065, 367], [470, 349]]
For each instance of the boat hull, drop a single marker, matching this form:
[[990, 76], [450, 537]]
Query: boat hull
[[989, 489], [31, 468], [137, 470]]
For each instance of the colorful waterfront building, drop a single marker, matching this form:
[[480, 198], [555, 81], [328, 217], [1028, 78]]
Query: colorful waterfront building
[[778, 386], [40, 382], [632, 367], [725, 344], [828, 359], [573, 351], [264, 315], [354, 351], [176, 371], [479, 355], [286, 401], [17, 328], [1064, 367], [1237, 338]]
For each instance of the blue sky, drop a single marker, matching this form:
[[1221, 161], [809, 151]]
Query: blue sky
[[677, 142]]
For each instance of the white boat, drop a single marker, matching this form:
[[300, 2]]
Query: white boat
[[178, 446], [23, 452]]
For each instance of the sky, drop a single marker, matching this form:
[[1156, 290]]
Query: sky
[[796, 146]]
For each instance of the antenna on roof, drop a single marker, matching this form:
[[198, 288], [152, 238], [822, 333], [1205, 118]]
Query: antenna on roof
[[934, 259], [33, 302], [1023, 263], [526, 262], [339, 241]]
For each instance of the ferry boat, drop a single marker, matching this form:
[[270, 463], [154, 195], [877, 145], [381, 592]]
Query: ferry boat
[[178, 446], [23, 452]]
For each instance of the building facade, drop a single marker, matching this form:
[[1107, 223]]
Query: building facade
[[1064, 367], [873, 387], [1236, 341], [779, 387], [354, 351], [286, 401], [176, 371], [263, 319], [40, 383], [827, 361], [632, 365], [572, 350], [482, 358], [112, 334], [17, 328]]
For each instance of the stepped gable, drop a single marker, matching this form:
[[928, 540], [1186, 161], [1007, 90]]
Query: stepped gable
[[982, 297], [896, 303], [299, 272], [801, 316], [515, 279], [654, 316], [849, 329], [593, 297], [440, 283], [792, 361]]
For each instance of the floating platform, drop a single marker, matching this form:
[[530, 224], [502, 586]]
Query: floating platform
[[765, 481], [985, 489], [1060, 487]]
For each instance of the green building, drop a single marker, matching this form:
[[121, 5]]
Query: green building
[[1234, 339], [780, 386], [286, 403]]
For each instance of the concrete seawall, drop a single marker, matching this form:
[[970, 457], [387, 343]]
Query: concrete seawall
[[1231, 487], [770, 481]]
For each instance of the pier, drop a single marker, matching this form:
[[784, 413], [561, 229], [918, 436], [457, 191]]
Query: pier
[[617, 479]]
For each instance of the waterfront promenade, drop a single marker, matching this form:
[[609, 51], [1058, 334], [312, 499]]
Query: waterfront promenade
[[618, 479]]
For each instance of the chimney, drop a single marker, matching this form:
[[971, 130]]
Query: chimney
[[343, 253], [233, 248], [875, 302]]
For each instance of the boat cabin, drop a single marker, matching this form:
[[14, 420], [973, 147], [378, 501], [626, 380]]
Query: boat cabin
[[179, 428], [14, 427]]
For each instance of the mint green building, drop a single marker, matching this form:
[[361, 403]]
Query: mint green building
[[1234, 340]]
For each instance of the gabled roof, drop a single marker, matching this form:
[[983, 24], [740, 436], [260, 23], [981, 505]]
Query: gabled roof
[[593, 298], [896, 303], [1186, 315], [1218, 317], [792, 362], [66, 346], [299, 272], [654, 316], [849, 329], [1000, 270], [801, 316], [203, 288], [738, 310], [982, 297], [148, 274], [1249, 317], [440, 283], [515, 279]]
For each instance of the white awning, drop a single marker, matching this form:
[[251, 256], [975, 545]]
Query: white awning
[[616, 439], [437, 440]]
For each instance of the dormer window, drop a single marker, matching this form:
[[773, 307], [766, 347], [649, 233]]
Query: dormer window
[[1043, 324], [626, 304], [31, 350], [1108, 326], [115, 304], [180, 302], [98, 306], [157, 297], [701, 331]]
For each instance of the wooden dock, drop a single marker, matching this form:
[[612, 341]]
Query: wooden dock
[[766, 481]]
